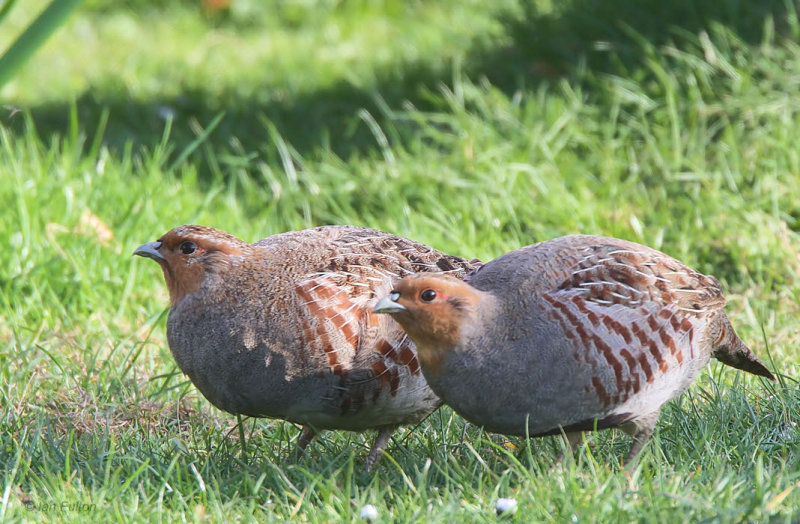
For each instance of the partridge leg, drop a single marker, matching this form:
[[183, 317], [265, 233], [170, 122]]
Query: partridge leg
[[641, 429], [378, 446], [574, 439], [305, 438]]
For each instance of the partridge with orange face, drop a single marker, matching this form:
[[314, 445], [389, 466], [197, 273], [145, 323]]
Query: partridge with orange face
[[283, 328], [573, 334]]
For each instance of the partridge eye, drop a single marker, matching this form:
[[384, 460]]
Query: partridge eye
[[187, 248], [428, 295]]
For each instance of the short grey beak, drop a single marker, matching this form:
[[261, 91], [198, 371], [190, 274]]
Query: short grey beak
[[149, 250], [387, 305]]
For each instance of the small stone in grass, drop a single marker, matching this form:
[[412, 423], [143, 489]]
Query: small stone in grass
[[506, 506], [369, 512]]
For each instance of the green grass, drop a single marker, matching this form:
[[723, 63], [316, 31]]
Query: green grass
[[475, 129]]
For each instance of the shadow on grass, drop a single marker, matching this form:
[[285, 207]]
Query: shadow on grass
[[610, 36], [580, 35]]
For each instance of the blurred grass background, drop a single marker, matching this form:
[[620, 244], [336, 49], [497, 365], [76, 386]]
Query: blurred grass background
[[474, 127]]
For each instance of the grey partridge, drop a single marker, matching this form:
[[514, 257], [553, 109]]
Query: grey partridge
[[573, 334], [283, 328]]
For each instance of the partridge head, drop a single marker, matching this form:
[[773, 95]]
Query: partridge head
[[283, 328], [573, 334]]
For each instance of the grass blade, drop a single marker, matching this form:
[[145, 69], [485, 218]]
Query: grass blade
[[34, 36]]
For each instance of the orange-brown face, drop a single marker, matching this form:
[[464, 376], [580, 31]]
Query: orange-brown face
[[432, 310], [187, 253]]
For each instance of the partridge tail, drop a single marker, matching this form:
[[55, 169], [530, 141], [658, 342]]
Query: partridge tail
[[730, 350]]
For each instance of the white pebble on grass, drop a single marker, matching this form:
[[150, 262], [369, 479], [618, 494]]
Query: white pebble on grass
[[369, 512], [506, 506]]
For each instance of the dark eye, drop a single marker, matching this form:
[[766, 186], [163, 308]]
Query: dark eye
[[428, 295], [187, 248]]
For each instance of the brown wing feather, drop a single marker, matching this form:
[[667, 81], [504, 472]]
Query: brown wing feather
[[627, 274], [370, 352]]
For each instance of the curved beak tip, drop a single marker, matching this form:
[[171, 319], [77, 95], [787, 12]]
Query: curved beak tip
[[388, 306], [149, 250]]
